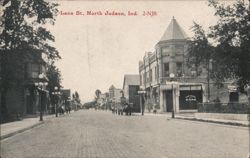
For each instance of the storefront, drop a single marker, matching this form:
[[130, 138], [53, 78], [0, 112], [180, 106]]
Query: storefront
[[181, 96]]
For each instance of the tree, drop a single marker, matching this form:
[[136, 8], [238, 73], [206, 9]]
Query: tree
[[97, 94], [77, 97], [54, 77], [232, 35], [54, 80], [22, 27], [200, 51]]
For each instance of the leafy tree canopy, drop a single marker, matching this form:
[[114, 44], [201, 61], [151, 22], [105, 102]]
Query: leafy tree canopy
[[23, 25], [54, 77], [97, 94], [232, 35], [230, 52]]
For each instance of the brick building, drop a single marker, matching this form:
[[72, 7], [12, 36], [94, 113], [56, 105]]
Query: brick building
[[169, 58], [187, 85]]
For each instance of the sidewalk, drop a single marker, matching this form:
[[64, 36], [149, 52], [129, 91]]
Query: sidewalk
[[191, 116], [13, 128], [213, 120]]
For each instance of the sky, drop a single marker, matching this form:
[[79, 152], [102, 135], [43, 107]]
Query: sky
[[98, 50]]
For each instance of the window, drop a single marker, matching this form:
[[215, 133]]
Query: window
[[165, 51], [147, 76], [179, 69], [156, 72], [193, 71], [166, 70], [34, 70], [144, 77], [179, 49], [150, 75]]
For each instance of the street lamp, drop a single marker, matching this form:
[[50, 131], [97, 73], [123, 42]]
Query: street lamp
[[40, 86], [172, 84], [56, 93]]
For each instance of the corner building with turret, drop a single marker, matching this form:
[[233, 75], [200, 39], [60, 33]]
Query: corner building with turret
[[165, 77]]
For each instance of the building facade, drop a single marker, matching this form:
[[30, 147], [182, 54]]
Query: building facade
[[163, 91], [115, 94], [131, 86], [22, 97]]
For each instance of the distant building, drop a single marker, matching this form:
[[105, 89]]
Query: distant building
[[131, 86], [102, 100], [115, 94]]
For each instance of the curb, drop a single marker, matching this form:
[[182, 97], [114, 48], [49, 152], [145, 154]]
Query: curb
[[217, 122], [20, 131]]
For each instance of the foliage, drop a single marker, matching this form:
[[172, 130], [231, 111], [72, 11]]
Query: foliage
[[97, 94], [232, 35], [54, 77], [230, 54], [76, 97], [54, 80], [22, 26], [199, 49]]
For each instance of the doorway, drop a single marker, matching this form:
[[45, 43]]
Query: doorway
[[169, 100]]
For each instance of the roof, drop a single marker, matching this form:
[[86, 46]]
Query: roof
[[131, 79], [173, 31], [111, 87]]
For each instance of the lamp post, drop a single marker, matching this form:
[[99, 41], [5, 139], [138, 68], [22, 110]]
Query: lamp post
[[56, 93], [172, 84], [41, 88]]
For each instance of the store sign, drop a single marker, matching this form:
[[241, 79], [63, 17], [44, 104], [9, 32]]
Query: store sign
[[141, 92], [191, 87], [190, 98], [232, 88]]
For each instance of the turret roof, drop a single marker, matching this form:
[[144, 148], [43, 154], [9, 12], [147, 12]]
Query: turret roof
[[173, 31]]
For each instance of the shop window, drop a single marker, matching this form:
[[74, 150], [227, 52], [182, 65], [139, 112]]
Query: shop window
[[166, 69]]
